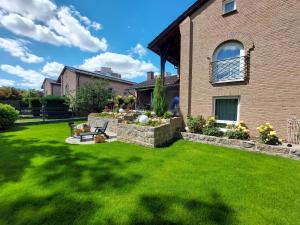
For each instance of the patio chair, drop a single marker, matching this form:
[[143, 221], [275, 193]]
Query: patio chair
[[98, 131]]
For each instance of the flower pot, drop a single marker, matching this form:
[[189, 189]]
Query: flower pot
[[99, 139]]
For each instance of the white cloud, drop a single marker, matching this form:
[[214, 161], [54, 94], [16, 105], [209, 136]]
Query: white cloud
[[124, 64], [43, 21], [32, 9], [30, 78], [52, 69], [18, 49], [85, 20], [139, 50], [5, 82]]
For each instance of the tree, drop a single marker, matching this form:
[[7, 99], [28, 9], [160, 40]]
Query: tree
[[92, 97], [10, 93], [27, 95], [160, 105]]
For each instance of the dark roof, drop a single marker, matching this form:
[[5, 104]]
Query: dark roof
[[172, 32], [50, 81], [94, 74], [169, 81]]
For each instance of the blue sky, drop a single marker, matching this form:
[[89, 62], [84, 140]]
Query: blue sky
[[38, 37]]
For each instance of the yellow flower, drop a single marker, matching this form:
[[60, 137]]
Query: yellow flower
[[273, 133]]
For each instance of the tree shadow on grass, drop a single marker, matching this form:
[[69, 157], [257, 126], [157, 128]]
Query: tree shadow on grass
[[63, 172], [54, 209], [172, 210], [82, 171]]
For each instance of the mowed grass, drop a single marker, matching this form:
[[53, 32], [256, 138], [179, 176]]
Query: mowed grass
[[45, 181]]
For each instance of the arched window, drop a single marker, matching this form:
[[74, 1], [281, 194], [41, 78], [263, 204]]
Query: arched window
[[228, 63]]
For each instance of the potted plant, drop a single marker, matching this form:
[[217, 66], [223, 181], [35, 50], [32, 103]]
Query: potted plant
[[99, 139]]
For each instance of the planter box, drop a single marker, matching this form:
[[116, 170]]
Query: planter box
[[95, 121], [246, 145], [150, 136]]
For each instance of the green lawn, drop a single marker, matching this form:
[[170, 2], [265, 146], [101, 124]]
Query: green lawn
[[45, 181]]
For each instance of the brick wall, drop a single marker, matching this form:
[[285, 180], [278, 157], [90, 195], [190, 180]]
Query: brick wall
[[56, 89], [273, 91]]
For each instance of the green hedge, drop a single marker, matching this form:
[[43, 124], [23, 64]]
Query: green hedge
[[8, 116], [56, 107], [36, 105]]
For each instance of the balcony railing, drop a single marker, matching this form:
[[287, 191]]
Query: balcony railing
[[229, 70]]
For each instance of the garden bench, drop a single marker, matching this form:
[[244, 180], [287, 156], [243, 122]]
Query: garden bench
[[98, 131]]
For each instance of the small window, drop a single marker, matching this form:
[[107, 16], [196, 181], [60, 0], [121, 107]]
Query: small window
[[226, 109], [229, 6]]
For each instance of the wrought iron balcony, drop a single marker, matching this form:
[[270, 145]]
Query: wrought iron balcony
[[229, 70]]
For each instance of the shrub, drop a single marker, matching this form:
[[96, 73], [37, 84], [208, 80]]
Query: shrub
[[196, 124], [56, 107], [120, 100], [211, 122], [148, 114], [8, 116], [239, 131], [210, 128], [160, 105], [168, 115], [267, 135], [212, 131], [93, 97], [36, 105]]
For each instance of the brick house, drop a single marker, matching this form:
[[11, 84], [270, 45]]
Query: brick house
[[237, 60], [144, 90], [51, 87], [71, 79]]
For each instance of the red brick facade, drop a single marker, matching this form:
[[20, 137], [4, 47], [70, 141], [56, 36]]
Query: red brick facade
[[270, 33]]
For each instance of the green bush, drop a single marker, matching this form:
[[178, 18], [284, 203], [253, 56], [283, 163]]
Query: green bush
[[212, 131], [160, 105], [56, 107], [267, 135], [148, 114], [36, 105], [196, 124], [168, 115], [239, 131], [210, 128], [8, 116]]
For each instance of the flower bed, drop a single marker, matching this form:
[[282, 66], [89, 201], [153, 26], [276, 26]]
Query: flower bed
[[242, 144], [156, 133], [150, 136]]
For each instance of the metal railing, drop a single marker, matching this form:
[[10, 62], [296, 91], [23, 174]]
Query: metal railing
[[293, 131], [229, 70], [44, 113]]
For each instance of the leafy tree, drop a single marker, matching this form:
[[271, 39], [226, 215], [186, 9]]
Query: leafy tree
[[10, 93], [93, 97], [29, 94], [160, 105]]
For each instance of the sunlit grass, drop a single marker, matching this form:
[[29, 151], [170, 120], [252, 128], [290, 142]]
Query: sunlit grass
[[45, 181]]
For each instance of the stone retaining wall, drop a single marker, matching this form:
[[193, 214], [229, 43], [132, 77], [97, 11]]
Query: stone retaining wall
[[149, 136], [246, 145], [95, 121]]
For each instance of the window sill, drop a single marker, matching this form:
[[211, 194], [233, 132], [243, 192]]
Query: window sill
[[230, 13], [228, 81]]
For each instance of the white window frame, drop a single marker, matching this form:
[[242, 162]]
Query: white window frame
[[238, 109], [226, 2]]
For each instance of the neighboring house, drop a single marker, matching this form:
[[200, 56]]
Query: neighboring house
[[71, 79], [237, 60], [144, 90], [51, 87]]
